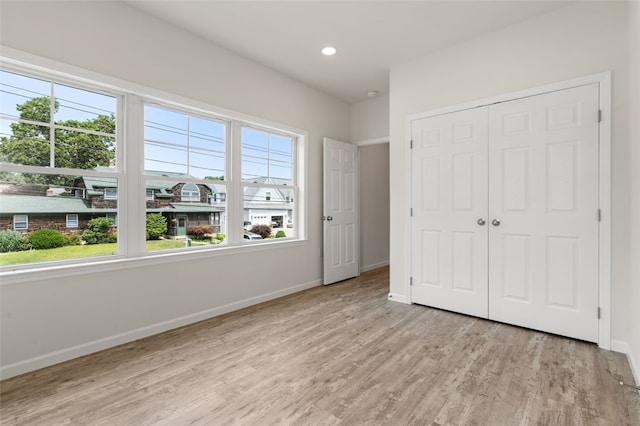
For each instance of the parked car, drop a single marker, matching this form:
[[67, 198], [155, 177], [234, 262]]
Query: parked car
[[252, 236]]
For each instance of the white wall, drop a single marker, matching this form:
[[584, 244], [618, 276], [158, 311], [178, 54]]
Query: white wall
[[48, 318], [370, 119], [634, 193], [374, 206], [577, 40]]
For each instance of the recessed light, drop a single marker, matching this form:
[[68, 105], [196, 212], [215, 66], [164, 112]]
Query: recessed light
[[329, 51], [372, 93]]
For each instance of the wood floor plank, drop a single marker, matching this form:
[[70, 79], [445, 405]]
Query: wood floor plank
[[335, 355]]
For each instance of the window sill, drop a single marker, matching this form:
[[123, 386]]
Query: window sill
[[23, 273]]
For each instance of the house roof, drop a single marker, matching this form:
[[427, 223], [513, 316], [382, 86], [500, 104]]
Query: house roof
[[11, 204], [163, 187], [34, 204], [278, 195], [187, 208]]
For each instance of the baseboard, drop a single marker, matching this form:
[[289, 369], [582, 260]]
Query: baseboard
[[398, 298], [374, 266], [623, 347], [67, 354]]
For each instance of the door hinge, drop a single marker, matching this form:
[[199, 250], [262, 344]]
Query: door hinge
[[410, 280], [411, 212], [599, 116], [599, 215], [411, 144], [599, 313]]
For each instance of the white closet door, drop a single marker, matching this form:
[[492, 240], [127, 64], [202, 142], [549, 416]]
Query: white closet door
[[449, 203], [543, 180]]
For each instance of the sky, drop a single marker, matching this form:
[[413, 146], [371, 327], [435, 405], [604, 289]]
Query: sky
[[174, 141]]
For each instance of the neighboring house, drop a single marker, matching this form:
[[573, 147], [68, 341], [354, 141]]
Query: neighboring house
[[268, 206], [183, 204], [28, 213]]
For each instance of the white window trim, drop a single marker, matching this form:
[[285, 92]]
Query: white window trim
[[110, 193], [114, 218], [72, 223], [131, 241], [190, 195], [25, 221]]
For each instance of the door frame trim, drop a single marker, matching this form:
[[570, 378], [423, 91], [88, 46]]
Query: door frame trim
[[604, 182]]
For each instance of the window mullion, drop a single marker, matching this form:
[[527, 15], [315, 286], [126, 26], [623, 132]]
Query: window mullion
[[131, 185], [189, 145], [235, 198], [52, 127]]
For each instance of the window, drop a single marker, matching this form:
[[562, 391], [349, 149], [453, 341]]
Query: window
[[268, 173], [61, 150], [20, 222], [190, 192], [110, 193], [185, 156], [72, 221], [114, 219]]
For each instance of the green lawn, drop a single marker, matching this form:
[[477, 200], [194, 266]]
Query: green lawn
[[75, 252]]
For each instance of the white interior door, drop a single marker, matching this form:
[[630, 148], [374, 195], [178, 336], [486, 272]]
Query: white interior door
[[543, 180], [340, 216], [449, 212]]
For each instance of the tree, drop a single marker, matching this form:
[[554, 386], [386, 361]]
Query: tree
[[263, 230], [98, 231], [29, 144], [156, 226]]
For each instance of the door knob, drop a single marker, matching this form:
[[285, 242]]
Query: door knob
[[495, 222], [329, 217], [481, 222]]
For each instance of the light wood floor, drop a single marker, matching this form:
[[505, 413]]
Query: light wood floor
[[340, 354]]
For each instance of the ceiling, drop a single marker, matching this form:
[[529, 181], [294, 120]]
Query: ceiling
[[370, 36]]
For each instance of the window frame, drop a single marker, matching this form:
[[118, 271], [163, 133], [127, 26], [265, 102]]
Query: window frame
[[131, 191], [69, 223], [25, 221], [110, 193], [190, 193], [269, 188], [113, 217]]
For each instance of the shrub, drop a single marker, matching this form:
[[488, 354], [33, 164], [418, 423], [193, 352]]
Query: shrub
[[198, 232], [43, 239], [156, 226], [72, 240], [220, 237], [25, 244], [10, 241], [263, 230], [97, 231], [281, 234]]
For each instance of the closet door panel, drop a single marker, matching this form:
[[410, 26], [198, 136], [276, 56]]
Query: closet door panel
[[543, 191], [449, 196]]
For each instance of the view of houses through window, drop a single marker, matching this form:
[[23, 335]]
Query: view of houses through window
[[62, 188]]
